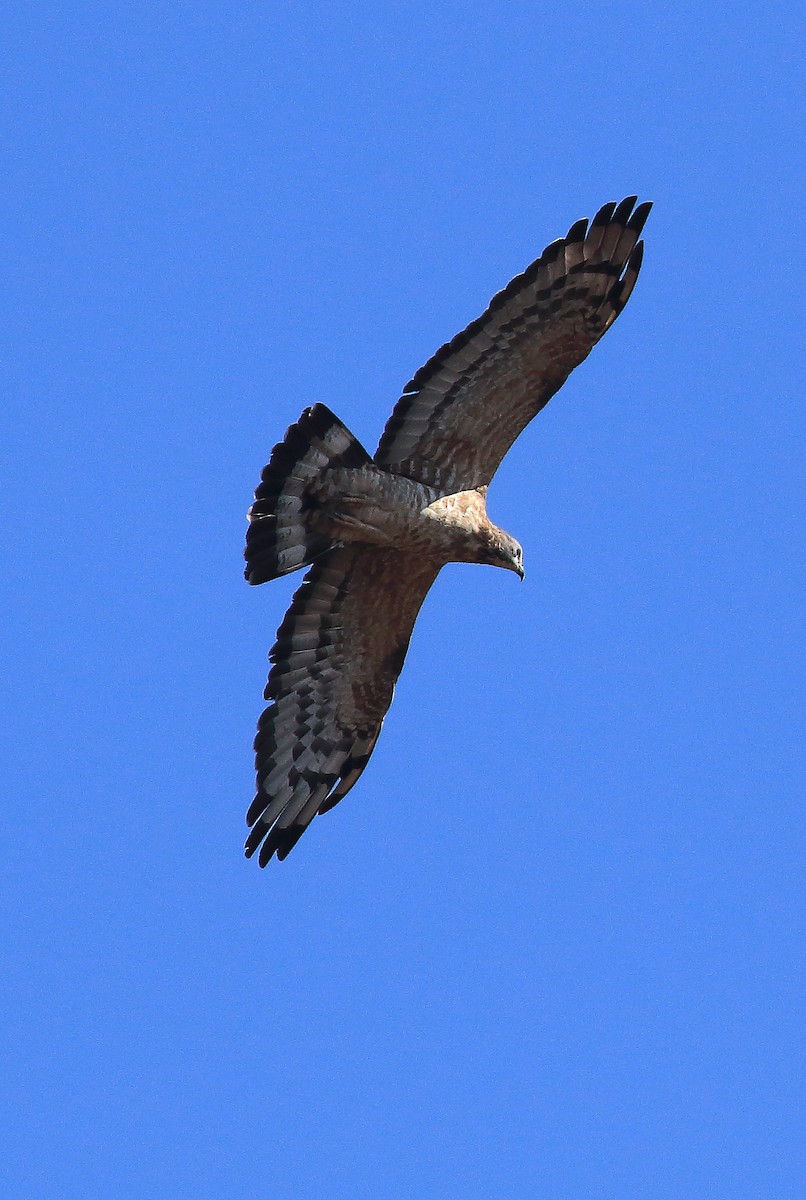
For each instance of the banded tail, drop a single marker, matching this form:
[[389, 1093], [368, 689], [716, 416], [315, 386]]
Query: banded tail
[[281, 536]]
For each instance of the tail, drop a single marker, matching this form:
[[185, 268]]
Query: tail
[[280, 538]]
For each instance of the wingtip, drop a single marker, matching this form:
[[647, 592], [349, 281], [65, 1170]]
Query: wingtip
[[269, 840], [638, 219], [577, 231], [623, 209], [604, 215], [636, 258]]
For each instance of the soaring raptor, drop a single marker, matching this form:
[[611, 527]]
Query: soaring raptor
[[376, 531]]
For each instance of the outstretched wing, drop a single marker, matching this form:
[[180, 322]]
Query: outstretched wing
[[463, 410], [337, 657]]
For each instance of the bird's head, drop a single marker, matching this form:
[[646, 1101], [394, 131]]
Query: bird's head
[[506, 552]]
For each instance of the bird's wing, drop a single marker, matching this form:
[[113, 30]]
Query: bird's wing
[[463, 410], [337, 656]]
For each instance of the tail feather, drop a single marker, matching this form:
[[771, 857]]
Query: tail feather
[[280, 537]]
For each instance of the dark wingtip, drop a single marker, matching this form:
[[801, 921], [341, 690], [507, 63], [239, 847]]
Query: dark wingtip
[[271, 841], [289, 841], [638, 219], [623, 210], [604, 214], [256, 808], [623, 288], [577, 231], [636, 258], [256, 842], [280, 842]]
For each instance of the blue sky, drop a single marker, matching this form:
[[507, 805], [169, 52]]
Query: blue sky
[[552, 943]]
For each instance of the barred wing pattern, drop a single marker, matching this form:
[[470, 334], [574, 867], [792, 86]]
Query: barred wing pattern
[[463, 410], [337, 657]]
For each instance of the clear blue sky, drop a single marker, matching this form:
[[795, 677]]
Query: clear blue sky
[[552, 944]]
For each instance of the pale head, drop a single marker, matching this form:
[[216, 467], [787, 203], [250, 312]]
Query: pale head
[[506, 552]]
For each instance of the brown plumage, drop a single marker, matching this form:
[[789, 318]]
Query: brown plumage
[[378, 530]]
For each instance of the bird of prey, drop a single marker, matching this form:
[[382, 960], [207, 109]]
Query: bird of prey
[[375, 531]]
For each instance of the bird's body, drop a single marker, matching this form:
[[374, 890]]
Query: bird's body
[[377, 508], [377, 531]]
